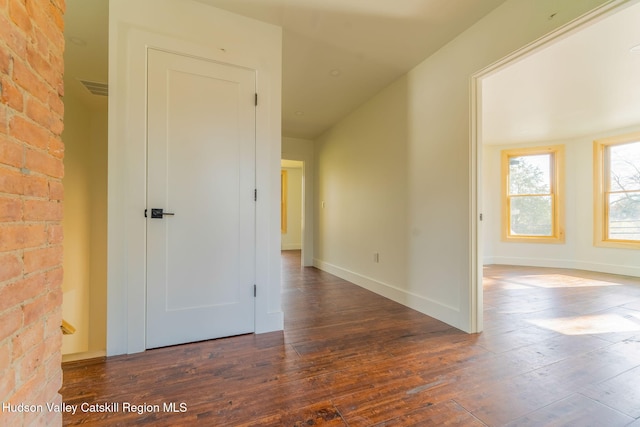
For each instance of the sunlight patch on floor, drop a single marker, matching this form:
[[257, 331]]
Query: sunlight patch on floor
[[591, 324], [554, 281]]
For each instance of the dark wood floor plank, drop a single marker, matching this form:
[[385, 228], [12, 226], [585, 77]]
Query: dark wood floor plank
[[559, 347]]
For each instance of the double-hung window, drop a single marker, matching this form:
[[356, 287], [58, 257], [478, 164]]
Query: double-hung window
[[617, 191], [532, 201]]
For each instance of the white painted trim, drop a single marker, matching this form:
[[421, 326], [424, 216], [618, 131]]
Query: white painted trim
[[444, 313], [625, 270], [476, 241]]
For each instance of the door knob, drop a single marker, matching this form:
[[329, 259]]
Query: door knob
[[158, 213]]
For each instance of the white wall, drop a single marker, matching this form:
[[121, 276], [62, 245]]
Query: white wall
[[395, 175], [292, 239], [303, 150], [202, 31], [578, 250]]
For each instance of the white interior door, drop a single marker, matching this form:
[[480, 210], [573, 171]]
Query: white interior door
[[201, 172]]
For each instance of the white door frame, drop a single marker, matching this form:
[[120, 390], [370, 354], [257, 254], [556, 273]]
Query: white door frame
[[476, 246]]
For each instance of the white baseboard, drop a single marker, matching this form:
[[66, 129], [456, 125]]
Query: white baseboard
[[445, 313], [83, 355], [625, 270]]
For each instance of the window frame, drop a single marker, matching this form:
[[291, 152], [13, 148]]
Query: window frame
[[600, 192], [556, 192]]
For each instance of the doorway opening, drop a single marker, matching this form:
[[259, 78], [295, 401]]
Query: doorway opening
[[554, 106]]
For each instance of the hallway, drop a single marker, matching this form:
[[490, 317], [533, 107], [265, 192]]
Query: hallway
[[560, 347]]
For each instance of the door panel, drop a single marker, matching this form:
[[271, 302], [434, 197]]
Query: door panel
[[201, 168]]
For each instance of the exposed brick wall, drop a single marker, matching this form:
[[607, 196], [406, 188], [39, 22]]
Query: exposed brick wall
[[31, 170]]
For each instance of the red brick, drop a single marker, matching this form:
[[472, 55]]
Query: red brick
[[56, 190], [42, 210], [60, 4], [7, 385], [19, 16], [11, 95], [5, 60], [54, 279], [11, 181], [35, 310], [24, 290], [42, 259], [44, 163], [21, 236], [11, 153], [29, 132], [55, 235], [56, 16], [30, 362], [12, 36], [39, 62], [35, 186], [41, 42], [10, 322], [3, 119], [10, 209], [39, 14], [27, 338], [10, 268], [52, 345], [31, 74], [56, 104], [56, 147], [42, 115], [5, 359], [28, 80]]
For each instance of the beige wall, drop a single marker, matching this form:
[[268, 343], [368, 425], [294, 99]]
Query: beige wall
[[85, 222], [292, 239], [395, 175], [302, 150]]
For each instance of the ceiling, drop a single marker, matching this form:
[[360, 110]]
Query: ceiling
[[339, 53], [336, 53], [584, 84]]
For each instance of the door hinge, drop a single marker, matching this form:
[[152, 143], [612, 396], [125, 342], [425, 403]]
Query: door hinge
[[256, 99], [255, 291], [480, 217], [255, 195]]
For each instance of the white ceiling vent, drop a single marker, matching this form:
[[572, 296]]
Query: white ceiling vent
[[96, 88]]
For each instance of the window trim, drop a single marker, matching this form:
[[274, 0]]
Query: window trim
[[557, 194], [600, 206]]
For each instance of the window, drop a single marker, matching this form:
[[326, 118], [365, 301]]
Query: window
[[617, 191], [532, 203]]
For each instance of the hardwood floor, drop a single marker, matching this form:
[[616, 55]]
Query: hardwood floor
[[560, 348]]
